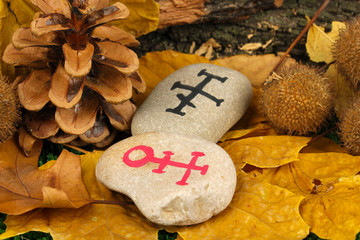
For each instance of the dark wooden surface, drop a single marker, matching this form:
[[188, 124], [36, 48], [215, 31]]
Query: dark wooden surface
[[280, 25]]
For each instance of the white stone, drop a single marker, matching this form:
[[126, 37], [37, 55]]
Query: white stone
[[222, 101], [170, 198]]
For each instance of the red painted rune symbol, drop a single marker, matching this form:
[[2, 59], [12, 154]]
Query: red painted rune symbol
[[165, 161]]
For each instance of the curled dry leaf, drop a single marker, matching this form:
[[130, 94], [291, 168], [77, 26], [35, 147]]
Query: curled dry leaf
[[81, 117], [65, 91], [41, 124], [78, 61], [24, 187], [33, 91], [111, 84], [93, 221], [319, 44]]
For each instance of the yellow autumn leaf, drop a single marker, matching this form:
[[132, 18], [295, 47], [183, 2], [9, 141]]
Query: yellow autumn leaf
[[144, 16], [258, 210], [155, 66], [335, 212], [255, 68], [24, 11], [260, 129], [8, 26], [342, 88], [266, 151], [94, 221], [319, 43], [314, 167]]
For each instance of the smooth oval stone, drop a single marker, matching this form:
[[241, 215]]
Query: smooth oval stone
[[200, 100], [172, 179]]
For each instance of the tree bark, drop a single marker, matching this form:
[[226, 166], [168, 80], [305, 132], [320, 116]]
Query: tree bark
[[177, 12], [278, 27]]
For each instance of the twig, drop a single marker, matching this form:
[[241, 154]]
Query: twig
[[76, 148], [323, 134], [326, 2]]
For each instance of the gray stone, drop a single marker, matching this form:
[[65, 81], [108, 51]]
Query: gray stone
[[200, 100], [172, 179]]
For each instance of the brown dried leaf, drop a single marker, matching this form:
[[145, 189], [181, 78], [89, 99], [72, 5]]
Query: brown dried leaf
[[114, 12], [54, 6], [65, 91], [111, 84], [98, 132], [117, 56], [24, 187], [81, 117], [34, 57], [120, 115], [33, 92], [115, 34], [78, 62], [49, 23], [41, 124], [23, 38]]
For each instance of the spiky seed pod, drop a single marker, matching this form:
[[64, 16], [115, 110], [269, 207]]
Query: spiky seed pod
[[297, 99], [9, 110], [349, 126], [346, 52]]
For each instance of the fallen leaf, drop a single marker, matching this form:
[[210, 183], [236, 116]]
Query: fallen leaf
[[144, 17], [342, 88], [155, 66], [207, 48], [256, 68], [94, 221], [24, 11], [8, 25], [266, 151], [258, 210], [24, 187], [334, 213], [319, 43]]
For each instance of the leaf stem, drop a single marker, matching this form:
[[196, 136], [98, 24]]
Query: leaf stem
[[323, 134], [76, 148], [326, 2]]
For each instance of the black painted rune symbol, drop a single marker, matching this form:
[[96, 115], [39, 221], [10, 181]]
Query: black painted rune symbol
[[198, 89]]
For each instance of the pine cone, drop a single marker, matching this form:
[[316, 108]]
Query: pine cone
[[82, 73]]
